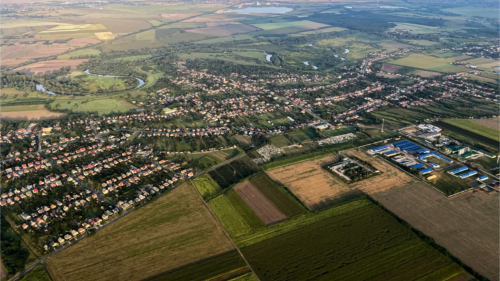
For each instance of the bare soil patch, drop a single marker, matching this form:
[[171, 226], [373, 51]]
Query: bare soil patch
[[40, 113], [224, 30], [466, 225], [390, 68], [49, 66], [493, 123], [261, 206]]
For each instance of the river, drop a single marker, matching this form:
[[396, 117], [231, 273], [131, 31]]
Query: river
[[39, 87]]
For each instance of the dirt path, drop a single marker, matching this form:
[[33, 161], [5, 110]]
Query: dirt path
[[262, 207]]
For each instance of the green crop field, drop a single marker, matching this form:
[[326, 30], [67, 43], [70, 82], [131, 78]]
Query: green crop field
[[302, 135], [234, 214], [280, 141], [206, 269], [37, 274], [479, 129], [285, 202], [134, 58], [229, 174], [206, 185], [364, 243], [76, 54], [423, 61]]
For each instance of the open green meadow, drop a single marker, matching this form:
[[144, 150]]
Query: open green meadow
[[234, 214], [423, 61], [280, 141], [364, 243]]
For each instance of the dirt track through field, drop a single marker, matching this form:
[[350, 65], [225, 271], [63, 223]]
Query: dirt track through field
[[262, 207], [466, 225]]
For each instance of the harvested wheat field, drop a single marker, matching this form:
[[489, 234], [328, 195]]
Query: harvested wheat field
[[261, 206], [49, 66], [27, 112], [466, 225], [173, 231], [310, 182], [19, 53], [390, 175], [493, 123]]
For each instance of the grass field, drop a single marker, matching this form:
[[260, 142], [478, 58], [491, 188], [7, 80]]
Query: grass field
[[470, 125], [134, 58], [303, 135], [473, 218], [276, 25], [36, 274], [234, 214], [277, 195], [101, 105], [206, 185], [280, 141], [364, 243], [27, 112], [76, 54], [467, 135], [206, 269], [423, 61], [173, 231]]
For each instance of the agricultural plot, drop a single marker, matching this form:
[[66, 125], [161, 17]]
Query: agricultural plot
[[484, 64], [469, 131], [423, 61], [303, 23], [261, 206], [234, 214], [37, 274], [473, 219], [175, 228], [100, 105], [218, 266], [224, 30], [49, 66], [374, 246], [78, 54], [391, 68], [279, 197], [475, 127], [27, 112], [280, 141], [229, 174], [492, 123], [206, 186], [316, 187]]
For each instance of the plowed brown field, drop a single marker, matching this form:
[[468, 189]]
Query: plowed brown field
[[466, 225], [261, 206]]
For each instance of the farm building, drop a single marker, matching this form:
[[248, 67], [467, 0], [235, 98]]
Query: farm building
[[458, 149], [439, 156], [434, 165], [468, 174], [422, 151], [425, 171], [431, 177], [469, 154], [391, 153], [456, 171], [322, 126], [482, 178], [417, 166], [379, 149], [407, 146]]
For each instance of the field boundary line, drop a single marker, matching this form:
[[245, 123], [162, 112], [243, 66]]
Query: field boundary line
[[223, 229]]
